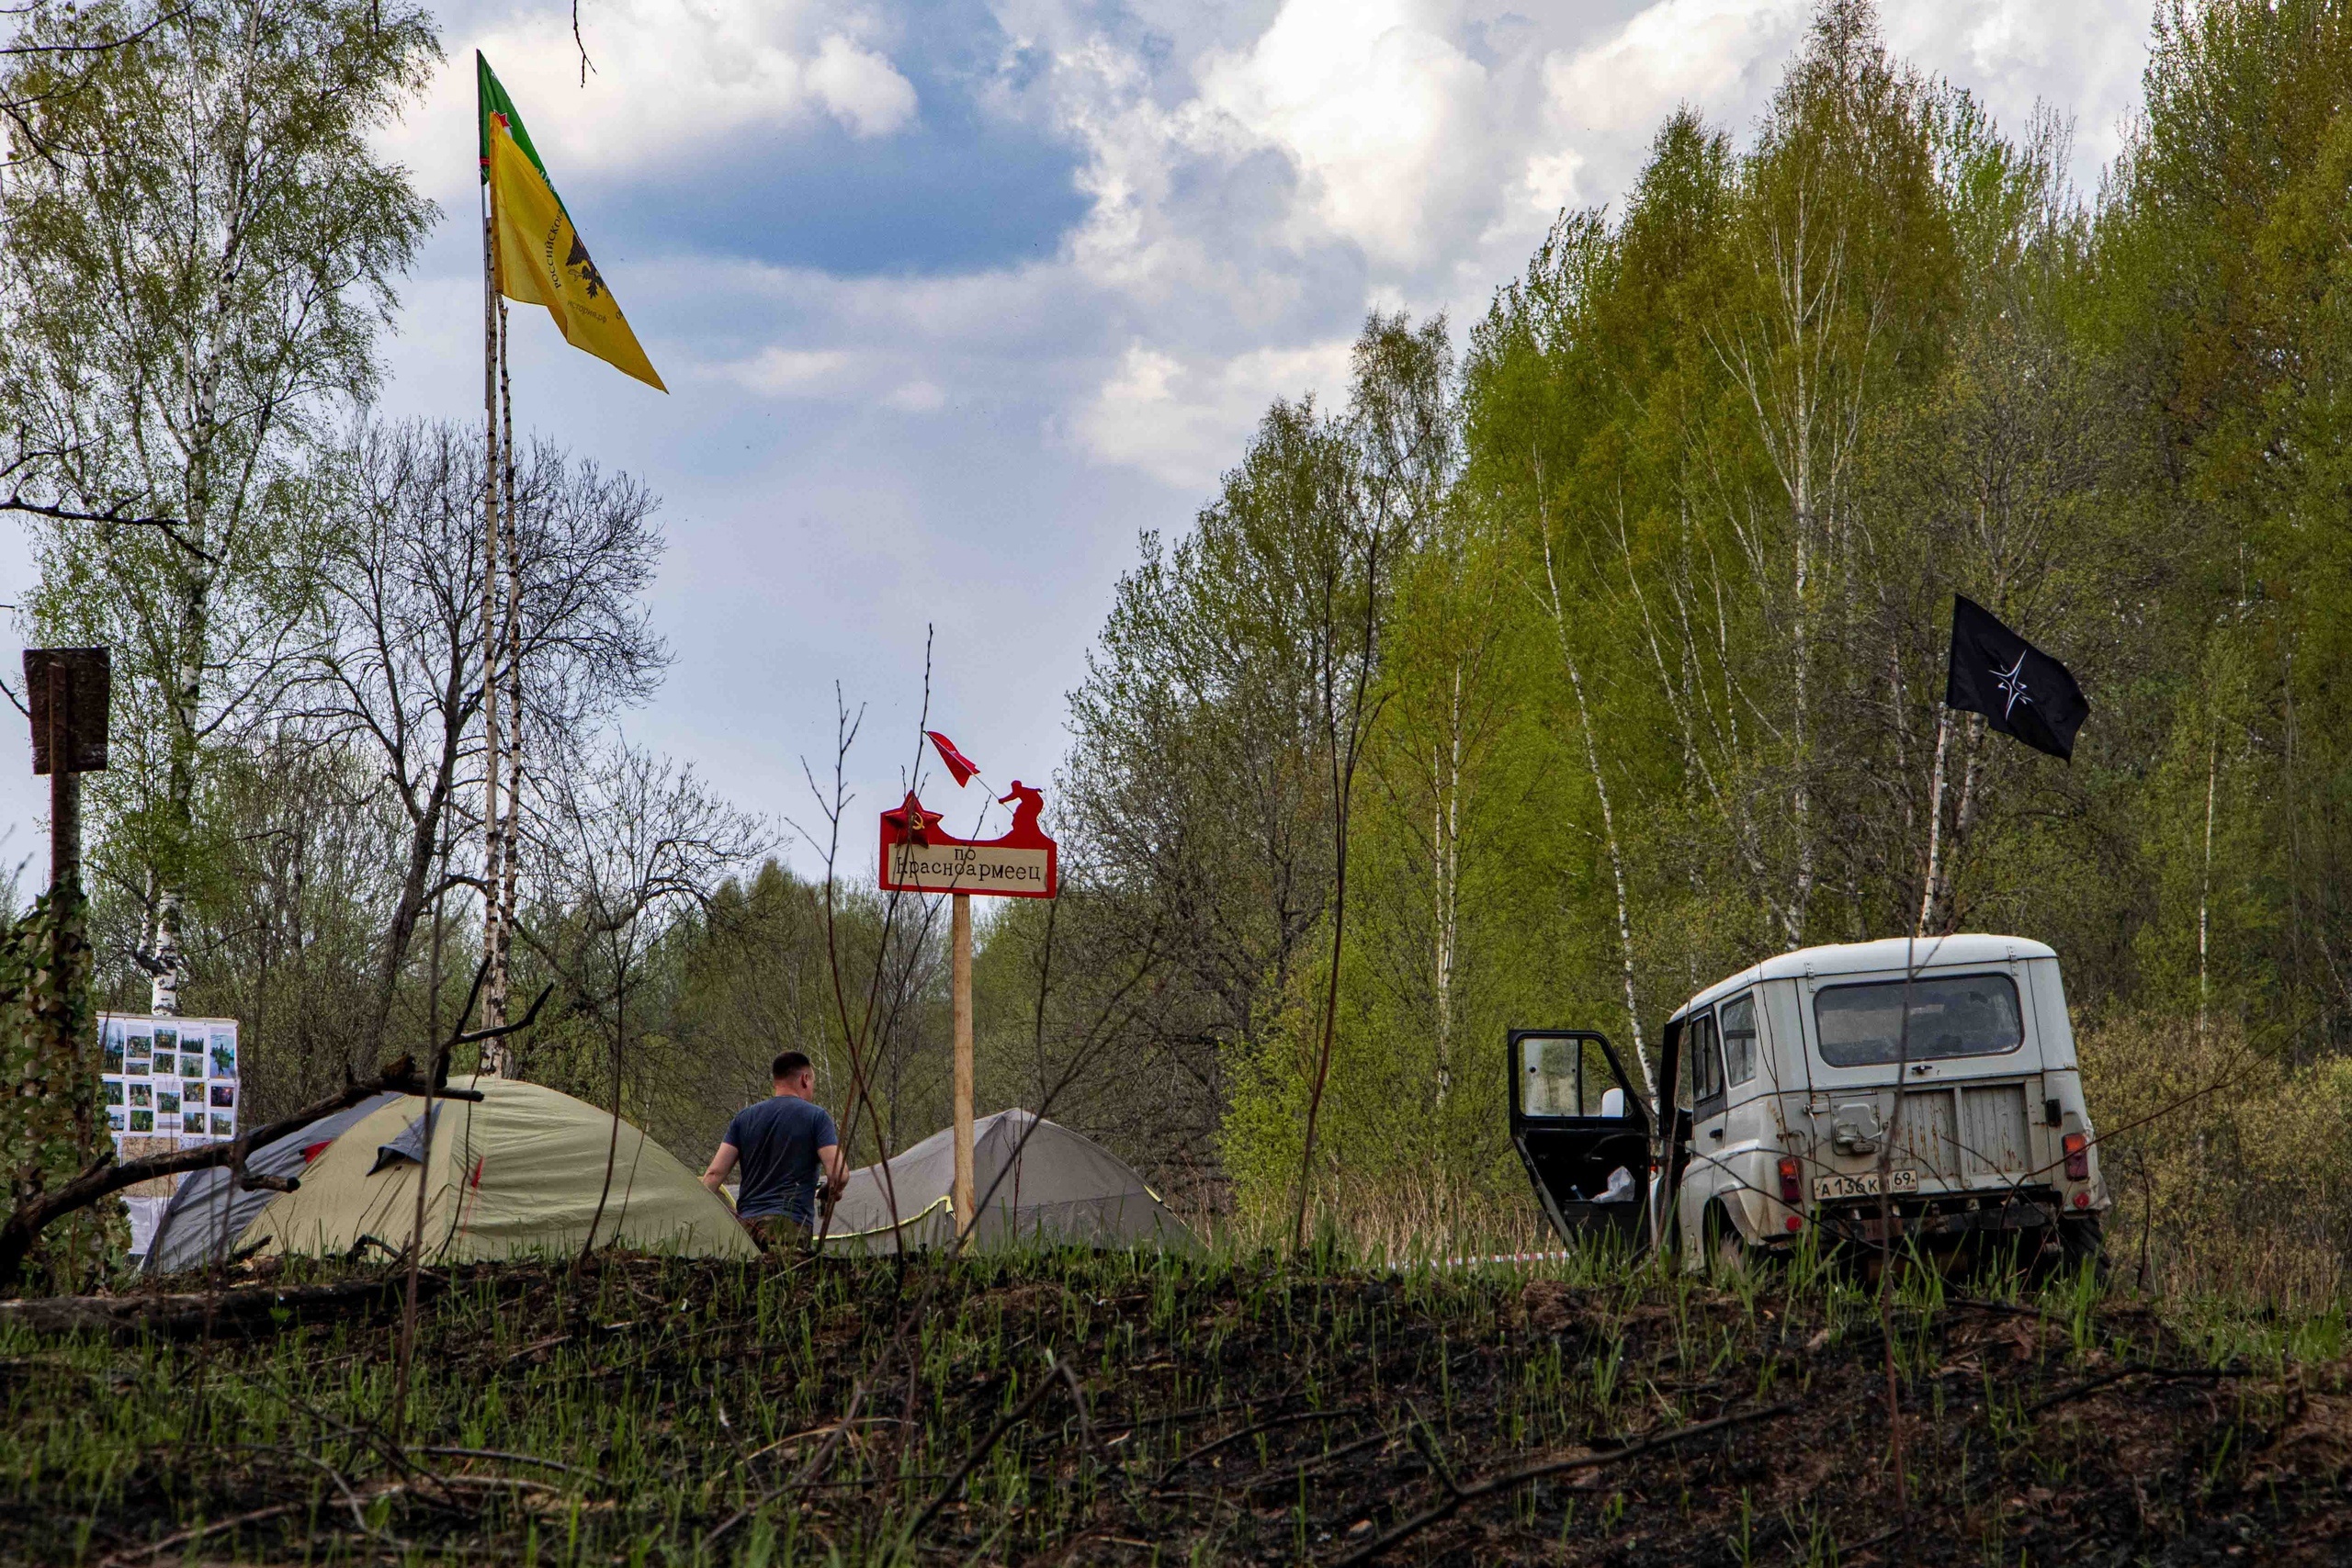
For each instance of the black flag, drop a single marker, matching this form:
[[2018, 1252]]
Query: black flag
[[2020, 690]]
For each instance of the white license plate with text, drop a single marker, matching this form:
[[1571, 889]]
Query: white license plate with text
[[1864, 1186]]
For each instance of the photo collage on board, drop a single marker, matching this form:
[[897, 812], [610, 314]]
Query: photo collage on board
[[169, 1078]]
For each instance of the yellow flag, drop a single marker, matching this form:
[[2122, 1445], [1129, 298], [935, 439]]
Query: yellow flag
[[542, 262]]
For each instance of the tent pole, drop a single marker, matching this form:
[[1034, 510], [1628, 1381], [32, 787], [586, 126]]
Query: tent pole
[[959, 930]]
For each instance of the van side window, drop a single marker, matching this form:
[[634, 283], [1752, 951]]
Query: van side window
[[1739, 1039], [1706, 1061]]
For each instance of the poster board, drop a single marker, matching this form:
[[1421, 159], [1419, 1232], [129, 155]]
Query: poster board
[[168, 1084]]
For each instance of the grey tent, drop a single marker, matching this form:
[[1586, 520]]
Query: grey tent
[[207, 1213], [1064, 1188]]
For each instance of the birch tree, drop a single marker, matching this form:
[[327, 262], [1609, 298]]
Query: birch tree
[[397, 675], [1836, 240], [201, 247], [1402, 423]]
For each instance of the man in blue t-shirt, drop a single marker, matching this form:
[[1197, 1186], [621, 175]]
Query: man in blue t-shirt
[[784, 1142]]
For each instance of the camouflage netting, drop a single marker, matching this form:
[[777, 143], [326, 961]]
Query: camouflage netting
[[52, 1124]]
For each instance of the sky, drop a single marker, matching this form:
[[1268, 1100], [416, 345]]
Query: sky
[[957, 297]]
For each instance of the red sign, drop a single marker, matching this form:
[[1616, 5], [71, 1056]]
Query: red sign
[[918, 856]]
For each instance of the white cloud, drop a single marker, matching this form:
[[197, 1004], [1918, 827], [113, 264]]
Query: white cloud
[[2078, 57], [1383, 114], [1253, 190], [861, 88], [776, 372], [1724, 57], [1707, 53], [669, 79], [1221, 166], [915, 397], [1552, 181], [1185, 424]]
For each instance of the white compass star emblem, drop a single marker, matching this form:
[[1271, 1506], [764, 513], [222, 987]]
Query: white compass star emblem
[[2012, 682]]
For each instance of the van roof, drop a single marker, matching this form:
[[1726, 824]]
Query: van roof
[[1887, 956]]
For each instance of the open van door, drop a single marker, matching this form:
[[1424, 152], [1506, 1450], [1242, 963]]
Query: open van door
[[1581, 1131]]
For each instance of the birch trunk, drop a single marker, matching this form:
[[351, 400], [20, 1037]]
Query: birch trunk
[[1608, 817], [493, 1009], [2205, 883], [1930, 897], [169, 959], [1941, 918], [1446, 827], [510, 838]]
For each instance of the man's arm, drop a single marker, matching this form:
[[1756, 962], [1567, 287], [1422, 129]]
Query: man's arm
[[721, 1164], [836, 1169]]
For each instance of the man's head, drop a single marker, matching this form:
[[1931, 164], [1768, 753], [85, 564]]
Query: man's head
[[793, 1074]]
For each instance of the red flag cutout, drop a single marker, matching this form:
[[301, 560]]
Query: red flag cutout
[[959, 767]]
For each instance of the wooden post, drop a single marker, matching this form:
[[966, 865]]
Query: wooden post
[[64, 785], [67, 693], [959, 938]]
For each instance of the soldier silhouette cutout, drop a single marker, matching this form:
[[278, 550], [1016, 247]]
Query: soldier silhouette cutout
[[1028, 829]]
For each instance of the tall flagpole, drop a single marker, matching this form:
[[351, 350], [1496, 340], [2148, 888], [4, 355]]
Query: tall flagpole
[[510, 840], [492, 1013]]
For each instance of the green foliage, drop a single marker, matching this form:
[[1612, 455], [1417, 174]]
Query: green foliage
[[2225, 310], [1659, 685], [51, 1125], [201, 248]]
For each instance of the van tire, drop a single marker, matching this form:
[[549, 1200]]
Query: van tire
[[1727, 1251], [2084, 1241]]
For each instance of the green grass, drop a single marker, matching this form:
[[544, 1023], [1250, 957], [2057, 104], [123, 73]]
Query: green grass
[[1234, 1407]]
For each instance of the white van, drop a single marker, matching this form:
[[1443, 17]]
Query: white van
[[1784, 1081]]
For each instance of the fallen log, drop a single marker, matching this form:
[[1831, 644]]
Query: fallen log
[[262, 1308], [1457, 1494]]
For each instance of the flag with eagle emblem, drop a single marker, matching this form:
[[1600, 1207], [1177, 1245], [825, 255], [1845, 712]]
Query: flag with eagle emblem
[[539, 257]]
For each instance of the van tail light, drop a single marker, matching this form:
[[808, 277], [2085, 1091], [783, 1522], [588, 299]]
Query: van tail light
[[1791, 1188], [2078, 1157]]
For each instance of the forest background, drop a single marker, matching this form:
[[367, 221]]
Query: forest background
[[1585, 653]]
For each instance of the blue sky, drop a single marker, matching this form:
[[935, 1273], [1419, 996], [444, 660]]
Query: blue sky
[[955, 298]]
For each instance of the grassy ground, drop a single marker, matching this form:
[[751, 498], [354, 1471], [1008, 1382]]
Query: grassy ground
[[1225, 1408]]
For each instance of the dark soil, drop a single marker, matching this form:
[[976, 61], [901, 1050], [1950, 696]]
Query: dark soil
[[1230, 1413]]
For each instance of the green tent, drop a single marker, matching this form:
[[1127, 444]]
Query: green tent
[[519, 1172]]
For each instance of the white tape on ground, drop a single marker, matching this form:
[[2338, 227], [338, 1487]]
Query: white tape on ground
[[1502, 1257]]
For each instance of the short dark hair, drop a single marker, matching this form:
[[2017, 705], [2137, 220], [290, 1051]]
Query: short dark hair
[[791, 1065]]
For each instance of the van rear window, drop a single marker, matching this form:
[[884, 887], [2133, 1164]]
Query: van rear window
[[1967, 1015]]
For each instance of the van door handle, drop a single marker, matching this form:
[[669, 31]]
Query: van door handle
[[1716, 1133]]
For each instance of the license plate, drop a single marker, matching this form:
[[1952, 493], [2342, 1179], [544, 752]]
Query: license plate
[[1865, 1186]]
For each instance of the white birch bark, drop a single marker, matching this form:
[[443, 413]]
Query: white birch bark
[[493, 1014], [1930, 897], [1445, 779], [510, 837], [1558, 608], [2205, 885]]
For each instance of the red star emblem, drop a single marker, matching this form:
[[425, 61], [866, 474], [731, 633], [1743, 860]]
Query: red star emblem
[[911, 822]]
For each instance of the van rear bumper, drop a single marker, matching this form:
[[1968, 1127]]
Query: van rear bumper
[[1941, 1217]]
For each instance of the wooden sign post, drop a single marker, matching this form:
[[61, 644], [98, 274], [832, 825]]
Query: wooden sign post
[[917, 856], [67, 692]]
